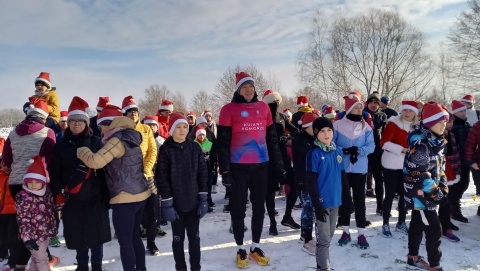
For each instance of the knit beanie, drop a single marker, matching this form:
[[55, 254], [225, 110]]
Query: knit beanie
[[320, 123], [374, 97], [385, 99]]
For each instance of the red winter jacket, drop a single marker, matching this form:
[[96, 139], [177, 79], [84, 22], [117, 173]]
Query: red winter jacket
[[472, 150], [163, 127], [7, 204]]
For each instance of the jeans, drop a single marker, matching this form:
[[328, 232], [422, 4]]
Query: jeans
[[246, 177], [324, 232], [189, 222], [307, 216], [126, 218], [96, 253], [393, 185], [425, 222]]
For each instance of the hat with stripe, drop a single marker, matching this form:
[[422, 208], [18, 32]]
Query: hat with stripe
[[270, 97], [458, 106], [433, 113], [411, 105], [151, 120], [468, 99], [329, 112], [63, 115], [243, 78], [44, 78], [37, 107], [174, 120], [128, 104], [36, 171], [302, 101], [287, 112], [166, 105], [78, 110], [108, 114], [307, 119]]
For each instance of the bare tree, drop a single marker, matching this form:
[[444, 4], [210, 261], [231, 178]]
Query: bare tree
[[376, 51], [179, 103], [11, 117], [152, 98], [201, 101], [446, 75], [226, 86], [464, 39]]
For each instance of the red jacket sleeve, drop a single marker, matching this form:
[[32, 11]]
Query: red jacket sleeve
[[471, 144]]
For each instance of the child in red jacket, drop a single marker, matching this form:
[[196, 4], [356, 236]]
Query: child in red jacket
[[8, 240]]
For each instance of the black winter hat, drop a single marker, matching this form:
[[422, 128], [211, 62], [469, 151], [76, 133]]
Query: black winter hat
[[320, 123]]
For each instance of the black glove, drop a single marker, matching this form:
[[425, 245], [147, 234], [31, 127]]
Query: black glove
[[282, 177], [31, 245], [227, 179], [320, 212], [353, 158], [351, 150]]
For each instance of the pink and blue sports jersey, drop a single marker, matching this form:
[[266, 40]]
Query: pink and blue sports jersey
[[249, 123]]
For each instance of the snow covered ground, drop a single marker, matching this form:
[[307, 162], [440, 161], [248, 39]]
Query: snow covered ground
[[219, 249]]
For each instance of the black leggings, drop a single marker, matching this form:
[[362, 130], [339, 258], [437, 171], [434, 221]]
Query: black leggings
[[375, 167], [356, 182], [425, 222], [149, 218], [393, 184], [253, 177], [189, 222], [456, 190]]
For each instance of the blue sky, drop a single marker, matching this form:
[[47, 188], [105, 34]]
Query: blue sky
[[118, 48]]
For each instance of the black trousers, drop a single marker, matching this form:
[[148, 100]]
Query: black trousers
[[270, 200], [376, 169], [444, 215], [8, 239], [209, 187], [393, 184], [425, 222], [456, 190], [22, 254], [189, 222], [356, 182], [253, 177], [476, 180], [149, 218]]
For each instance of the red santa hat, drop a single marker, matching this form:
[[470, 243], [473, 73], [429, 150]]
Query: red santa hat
[[468, 99], [44, 77], [166, 105], [302, 101], [307, 119], [37, 107], [37, 171], [102, 102], [174, 120], [433, 113], [108, 113], [200, 131], [411, 105], [316, 112], [151, 120], [356, 94], [63, 115], [207, 112], [329, 112], [351, 100], [270, 97], [78, 110], [243, 78], [287, 112], [192, 114], [457, 106], [128, 103]]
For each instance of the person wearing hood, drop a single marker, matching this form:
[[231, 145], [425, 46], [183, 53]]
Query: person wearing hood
[[149, 153], [425, 186], [303, 107], [182, 175], [122, 160], [274, 99], [31, 137], [86, 190], [247, 145]]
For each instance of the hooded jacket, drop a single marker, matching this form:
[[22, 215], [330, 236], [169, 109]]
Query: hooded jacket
[[246, 134], [301, 145], [394, 140], [29, 138], [148, 147], [181, 173], [123, 161]]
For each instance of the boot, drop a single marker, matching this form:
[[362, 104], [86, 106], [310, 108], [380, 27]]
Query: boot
[[457, 215]]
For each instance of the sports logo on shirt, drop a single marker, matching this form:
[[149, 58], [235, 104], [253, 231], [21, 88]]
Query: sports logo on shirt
[[339, 159], [244, 113]]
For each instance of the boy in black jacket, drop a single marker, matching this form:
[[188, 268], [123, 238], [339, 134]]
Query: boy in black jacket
[[181, 176]]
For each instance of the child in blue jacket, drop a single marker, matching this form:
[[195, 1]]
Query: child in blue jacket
[[324, 176]]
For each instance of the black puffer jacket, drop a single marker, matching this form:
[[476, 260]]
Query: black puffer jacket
[[301, 144], [181, 173], [85, 214], [460, 129]]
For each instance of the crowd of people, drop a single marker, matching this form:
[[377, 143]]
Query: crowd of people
[[149, 170]]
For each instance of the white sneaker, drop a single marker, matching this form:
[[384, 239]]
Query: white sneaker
[[310, 247], [214, 189]]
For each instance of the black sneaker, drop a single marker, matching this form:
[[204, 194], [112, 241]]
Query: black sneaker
[[226, 208], [298, 206], [457, 215], [289, 222], [453, 227], [478, 211], [210, 209], [161, 232], [96, 267], [370, 193], [79, 268], [152, 248], [211, 204], [273, 229], [379, 211], [368, 223]]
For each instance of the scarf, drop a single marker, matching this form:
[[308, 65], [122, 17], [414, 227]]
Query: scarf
[[107, 135], [324, 147], [353, 117]]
